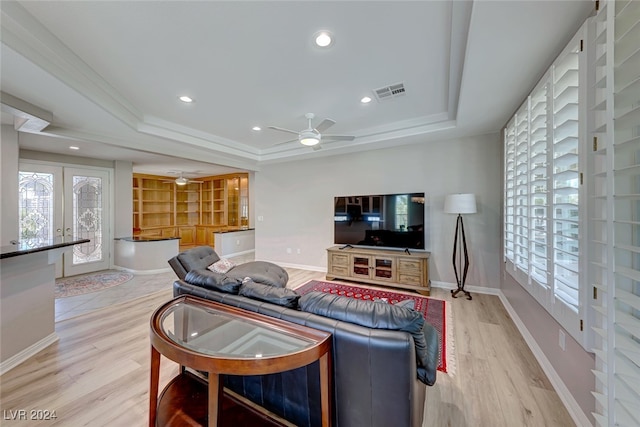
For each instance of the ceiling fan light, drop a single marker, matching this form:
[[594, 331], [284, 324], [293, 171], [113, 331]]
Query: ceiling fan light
[[309, 138], [309, 141], [181, 181]]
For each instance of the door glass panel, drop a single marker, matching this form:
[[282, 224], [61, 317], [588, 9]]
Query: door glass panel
[[87, 218], [36, 207]]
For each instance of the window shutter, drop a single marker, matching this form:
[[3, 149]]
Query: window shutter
[[615, 257]]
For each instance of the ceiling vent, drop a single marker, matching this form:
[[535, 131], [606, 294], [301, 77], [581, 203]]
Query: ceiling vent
[[389, 92]]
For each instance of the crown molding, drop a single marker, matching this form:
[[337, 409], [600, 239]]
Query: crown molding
[[27, 36]]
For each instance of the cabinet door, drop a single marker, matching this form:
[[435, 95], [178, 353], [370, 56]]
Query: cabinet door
[[383, 269], [339, 264], [361, 266], [411, 271], [201, 235], [168, 232], [187, 235]]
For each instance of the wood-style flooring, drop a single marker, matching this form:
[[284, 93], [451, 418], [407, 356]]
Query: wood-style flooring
[[97, 374]]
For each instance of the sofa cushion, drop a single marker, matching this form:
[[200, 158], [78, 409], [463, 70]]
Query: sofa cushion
[[214, 281], [198, 257], [280, 296], [223, 265], [381, 316], [264, 272]]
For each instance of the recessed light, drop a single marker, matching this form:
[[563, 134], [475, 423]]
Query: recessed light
[[73, 147], [185, 98], [323, 38], [365, 100], [256, 128]]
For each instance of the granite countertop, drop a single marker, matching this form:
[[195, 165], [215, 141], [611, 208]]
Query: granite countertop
[[145, 238], [234, 231], [26, 246]]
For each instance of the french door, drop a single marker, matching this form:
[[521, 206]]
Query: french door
[[73, 202]]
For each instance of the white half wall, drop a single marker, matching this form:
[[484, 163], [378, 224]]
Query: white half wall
[[294, 201], [9, 153]]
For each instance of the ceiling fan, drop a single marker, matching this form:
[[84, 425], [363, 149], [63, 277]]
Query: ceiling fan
[[181, 180], [311, 136]]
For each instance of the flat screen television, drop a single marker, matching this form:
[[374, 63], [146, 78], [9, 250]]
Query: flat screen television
[[394, 221]]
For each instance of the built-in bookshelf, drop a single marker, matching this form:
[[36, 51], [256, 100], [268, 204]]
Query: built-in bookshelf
[[193, 211]]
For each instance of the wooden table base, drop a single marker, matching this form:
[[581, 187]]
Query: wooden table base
[[184, 402]]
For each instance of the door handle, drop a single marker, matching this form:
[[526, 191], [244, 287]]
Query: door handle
[[58, 230]]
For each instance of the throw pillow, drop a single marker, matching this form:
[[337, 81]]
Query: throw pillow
[[214, 281], [374, 315], [280, 296], [222, 266]]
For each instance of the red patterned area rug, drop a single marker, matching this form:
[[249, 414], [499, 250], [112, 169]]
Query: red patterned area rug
[[435, 311], [91, 282]]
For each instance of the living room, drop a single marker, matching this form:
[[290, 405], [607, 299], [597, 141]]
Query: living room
[[291, 198]]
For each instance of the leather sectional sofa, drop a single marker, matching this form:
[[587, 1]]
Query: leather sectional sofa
[[379, 373]]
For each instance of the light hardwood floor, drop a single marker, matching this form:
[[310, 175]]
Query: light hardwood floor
[[97, 374]]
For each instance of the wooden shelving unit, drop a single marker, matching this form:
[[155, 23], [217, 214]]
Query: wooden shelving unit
[[192, 212]]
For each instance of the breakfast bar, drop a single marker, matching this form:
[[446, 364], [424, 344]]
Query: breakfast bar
[[27, 303]]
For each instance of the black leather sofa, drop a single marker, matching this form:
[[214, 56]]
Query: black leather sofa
[[379, 376]]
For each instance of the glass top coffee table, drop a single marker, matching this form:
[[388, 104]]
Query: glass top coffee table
[[218, 339]]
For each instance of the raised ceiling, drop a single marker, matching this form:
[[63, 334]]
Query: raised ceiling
[[110, 73]]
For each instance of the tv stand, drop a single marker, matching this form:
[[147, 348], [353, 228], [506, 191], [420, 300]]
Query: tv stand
[[398, 269]]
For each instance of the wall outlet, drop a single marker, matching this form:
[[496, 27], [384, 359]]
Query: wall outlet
[[298, 251], [237, 242], [260, 218], [562, 340], [288, 250]]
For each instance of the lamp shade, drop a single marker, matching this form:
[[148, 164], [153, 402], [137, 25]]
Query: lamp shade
[[460, 204]]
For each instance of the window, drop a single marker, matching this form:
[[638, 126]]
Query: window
[[542, 203], [402, 212]]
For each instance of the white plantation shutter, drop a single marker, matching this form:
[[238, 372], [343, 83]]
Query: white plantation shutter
[[566, 181], [509, 191], [626, 221], [521, 200], [542, 201], [538, 179], [615, 259]]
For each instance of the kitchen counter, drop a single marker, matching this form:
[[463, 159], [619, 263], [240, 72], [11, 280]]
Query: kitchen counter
[[27, 301]]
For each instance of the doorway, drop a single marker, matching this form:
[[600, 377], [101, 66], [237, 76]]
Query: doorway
[[66, 201]]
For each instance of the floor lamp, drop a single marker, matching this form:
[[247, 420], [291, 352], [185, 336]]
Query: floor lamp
[[460, 204]]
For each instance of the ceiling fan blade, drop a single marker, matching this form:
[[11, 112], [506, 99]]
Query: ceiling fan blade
[[339, 137], [316, 147], [283, 129], [285, 142], [325, 124]]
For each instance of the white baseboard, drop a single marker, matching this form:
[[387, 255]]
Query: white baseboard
[[576, 412], [473, 289], [143, 272], [27, 353], [237, 253], [301, 266]]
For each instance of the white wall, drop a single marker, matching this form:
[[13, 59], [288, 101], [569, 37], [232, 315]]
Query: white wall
[[295, 200], [123, 202], [9, 185]]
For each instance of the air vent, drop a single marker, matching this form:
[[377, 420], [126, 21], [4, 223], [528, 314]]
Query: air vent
[[388, 92]]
